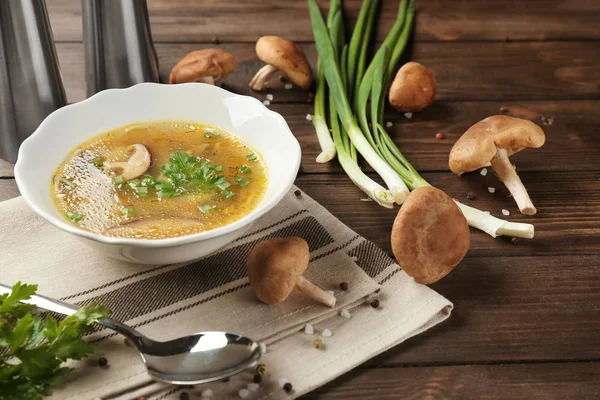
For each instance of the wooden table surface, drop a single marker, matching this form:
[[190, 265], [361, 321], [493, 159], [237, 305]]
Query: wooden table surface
[[526, 322]]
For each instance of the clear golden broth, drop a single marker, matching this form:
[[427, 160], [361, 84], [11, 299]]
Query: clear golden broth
[[103, 204]]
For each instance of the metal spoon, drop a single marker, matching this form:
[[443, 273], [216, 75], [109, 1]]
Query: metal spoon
[[199, 358]]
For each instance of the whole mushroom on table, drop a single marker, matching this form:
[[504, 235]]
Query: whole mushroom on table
[[430, 235], [490, 142], [413, 88], [275, 268], [206, 66], [282, 55]]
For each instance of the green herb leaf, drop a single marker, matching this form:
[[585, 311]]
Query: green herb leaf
[[74, 216], [242, 181], [133, 184], [148, 180], [244, 169], [38, 347], [251, 157], [206, 208], [68, 183], [228, 193], [119, 179]]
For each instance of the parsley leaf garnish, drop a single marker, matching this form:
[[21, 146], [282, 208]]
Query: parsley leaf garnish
[[37, 346]]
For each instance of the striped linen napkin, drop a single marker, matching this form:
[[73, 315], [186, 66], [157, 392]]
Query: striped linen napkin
[[213, 293]]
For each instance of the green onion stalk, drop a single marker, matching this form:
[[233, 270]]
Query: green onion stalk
[[369, 88], [329, 64]]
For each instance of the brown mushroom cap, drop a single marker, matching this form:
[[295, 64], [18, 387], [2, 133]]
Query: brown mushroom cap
[[413, 88], [285, 56], [274, 267], [477, 146], [430, 235], [214, 63]]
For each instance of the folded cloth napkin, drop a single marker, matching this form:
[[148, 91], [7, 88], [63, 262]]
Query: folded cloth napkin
[[168, 301]]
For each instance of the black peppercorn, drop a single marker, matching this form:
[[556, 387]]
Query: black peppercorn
[[257, 378], [344, 286], [298, 193], [103, 362], [226, 380], [375, 303], [288, 387], [216, 40], [471, 196], [184, 396]]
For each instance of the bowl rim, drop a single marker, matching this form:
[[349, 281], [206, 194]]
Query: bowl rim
[[249, 218]]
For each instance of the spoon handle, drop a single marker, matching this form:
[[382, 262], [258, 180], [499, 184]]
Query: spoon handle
[[67, 309]]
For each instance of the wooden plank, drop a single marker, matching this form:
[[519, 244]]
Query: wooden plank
[[512, 309], [567, 220], [565, 223], [238, 20], [552, 381], [464, 71], [506, 308], [8, 189], [6, 169], [572, 141]]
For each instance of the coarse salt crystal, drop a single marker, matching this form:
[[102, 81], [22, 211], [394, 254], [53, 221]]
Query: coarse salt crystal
[[389, 124], [283, 381], [367, 199], [408, 115], [354, 258], [327, 333], [263, 348], [505, 212], [330, 292], [486, 212], [270, 97], [266, 102], [308, 117], [483, 172], [492, 189], [308, 328], [253, 387], [244, 393], [345, 314], [289, 86], [206, 393]]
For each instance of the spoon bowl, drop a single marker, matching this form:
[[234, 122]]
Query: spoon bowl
[[199, 358]]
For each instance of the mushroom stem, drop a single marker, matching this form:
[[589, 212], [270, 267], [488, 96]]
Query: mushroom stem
[[315, 292], [507, 174], [258, 81]]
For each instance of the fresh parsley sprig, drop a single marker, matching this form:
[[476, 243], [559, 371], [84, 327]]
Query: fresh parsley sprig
[[37, 347]]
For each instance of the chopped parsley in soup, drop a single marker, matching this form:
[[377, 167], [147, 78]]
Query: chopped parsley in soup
[[159, 180]]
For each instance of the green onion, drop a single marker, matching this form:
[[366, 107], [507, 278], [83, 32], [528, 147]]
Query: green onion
[[332, 75], [98, 162], [127, 211], [142, 191], [228, 193], [206, 208], [74, 216], [119, 179], [68, 183], [244, 169], [251, 157], [242, 181]]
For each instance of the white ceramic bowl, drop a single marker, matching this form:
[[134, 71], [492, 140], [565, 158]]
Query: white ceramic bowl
[[266, 131]]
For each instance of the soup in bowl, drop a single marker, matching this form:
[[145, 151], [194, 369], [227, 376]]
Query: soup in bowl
[[158, 173]]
